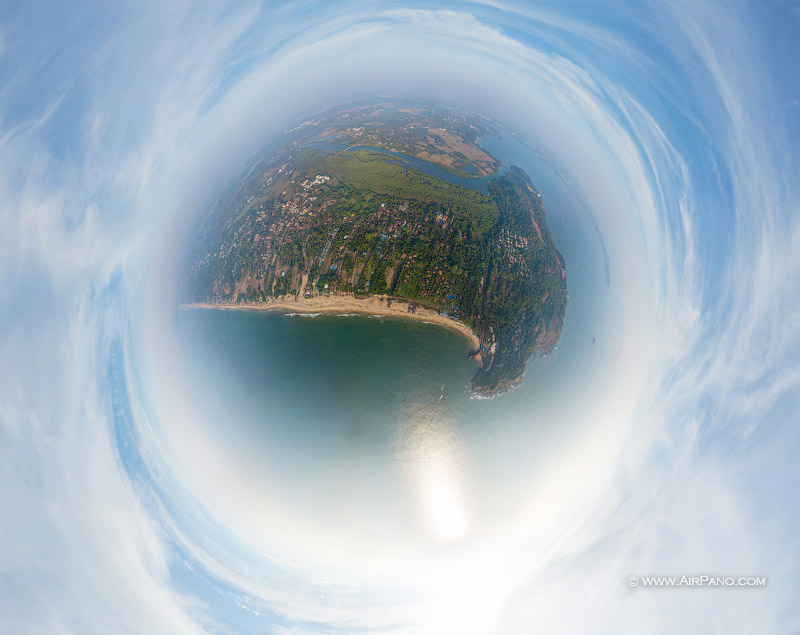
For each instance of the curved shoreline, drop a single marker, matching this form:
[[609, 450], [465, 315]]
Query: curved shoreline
[[380, 306]]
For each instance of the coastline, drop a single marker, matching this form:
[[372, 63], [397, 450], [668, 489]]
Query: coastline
[[380, 306]]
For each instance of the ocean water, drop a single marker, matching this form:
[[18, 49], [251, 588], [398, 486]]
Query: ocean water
[[342, 381]]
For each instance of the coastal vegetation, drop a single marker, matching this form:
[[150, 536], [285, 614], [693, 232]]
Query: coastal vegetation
[[362, 222]]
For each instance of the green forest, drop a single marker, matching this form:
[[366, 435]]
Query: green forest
[[363, 222]]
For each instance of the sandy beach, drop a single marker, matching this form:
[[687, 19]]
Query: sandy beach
[[345, 303]]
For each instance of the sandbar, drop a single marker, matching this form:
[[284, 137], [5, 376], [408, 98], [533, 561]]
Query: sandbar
[[347, 303]]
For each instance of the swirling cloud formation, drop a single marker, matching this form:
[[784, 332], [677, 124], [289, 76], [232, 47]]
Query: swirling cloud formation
[[674, 128]]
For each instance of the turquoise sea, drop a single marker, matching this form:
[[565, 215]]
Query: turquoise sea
[[340, 380]]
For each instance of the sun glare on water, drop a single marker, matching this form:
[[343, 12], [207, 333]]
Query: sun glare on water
[[436, 475], [442, 501]]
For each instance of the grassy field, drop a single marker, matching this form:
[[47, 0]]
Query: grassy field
[[390, 176]]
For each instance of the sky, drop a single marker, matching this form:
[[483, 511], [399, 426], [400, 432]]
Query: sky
[[679, 122]]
